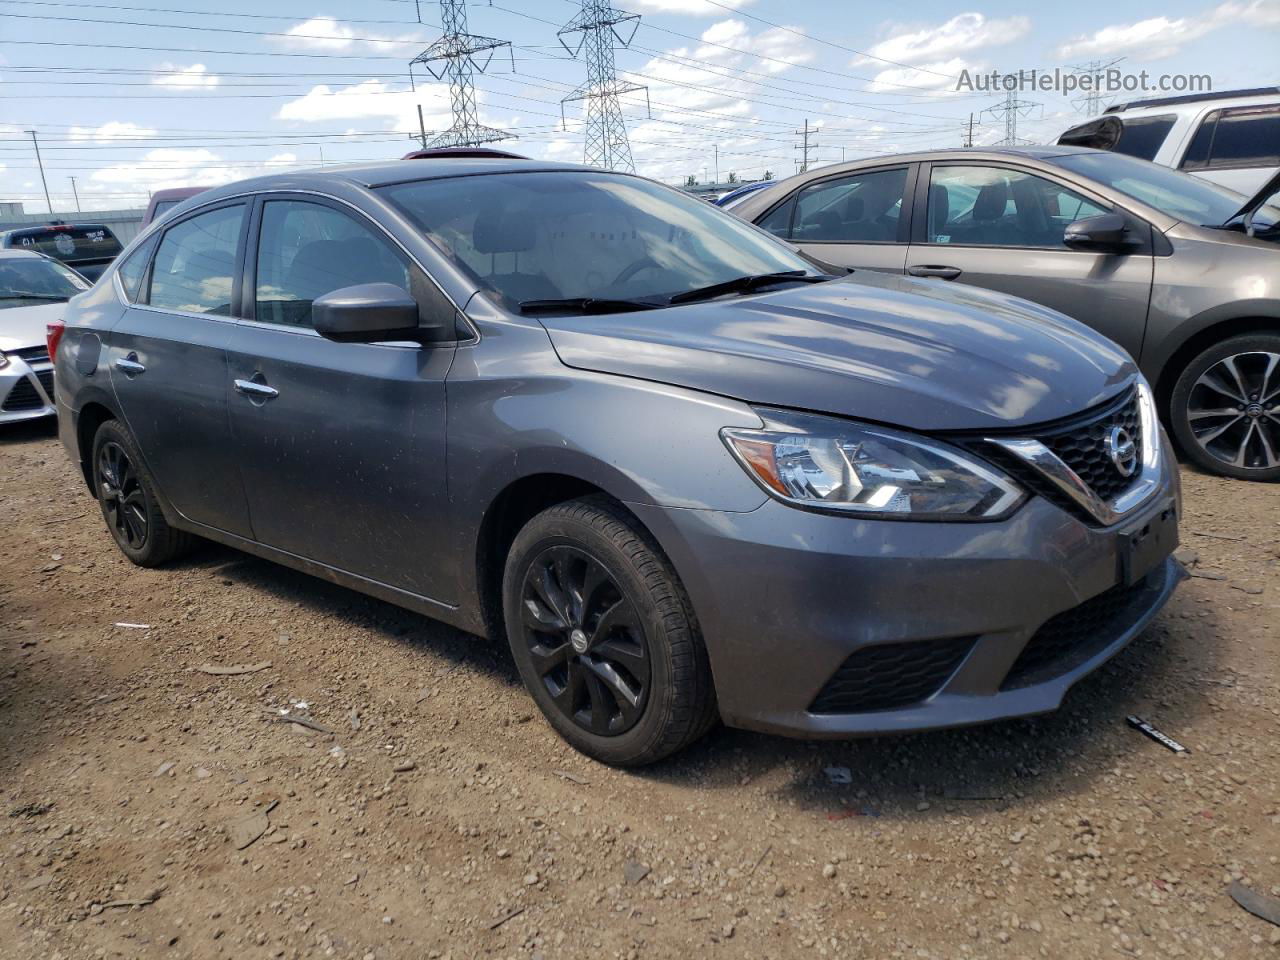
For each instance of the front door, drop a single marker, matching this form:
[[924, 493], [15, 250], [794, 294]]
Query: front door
[[341, 445], [1002, 228], [168, 364], [855, 220]]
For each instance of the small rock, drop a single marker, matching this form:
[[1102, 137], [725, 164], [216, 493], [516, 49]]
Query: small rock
[[1248, 588], [1186, 556], [404, 766], [839, 775], [531, 878], [633, 872], [829, 870], [164, 768], [780, 890], [727, 931], [202, 773], [923, 805], [38, 882], [503, 853]]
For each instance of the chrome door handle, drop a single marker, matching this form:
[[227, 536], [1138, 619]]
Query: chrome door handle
[[130, 366], [929, 270], [256, 391]]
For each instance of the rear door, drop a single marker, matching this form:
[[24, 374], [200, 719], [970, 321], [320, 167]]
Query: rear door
[[1002, 227], [168, 363], [1238, 147], [341, 445], [849, 220]]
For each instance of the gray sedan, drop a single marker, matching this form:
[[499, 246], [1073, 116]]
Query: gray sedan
[[1184, 274], [684, 474]]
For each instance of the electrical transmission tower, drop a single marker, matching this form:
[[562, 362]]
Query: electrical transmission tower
[[459, 55], [1091, 102], [1010, 109], [600, 26]]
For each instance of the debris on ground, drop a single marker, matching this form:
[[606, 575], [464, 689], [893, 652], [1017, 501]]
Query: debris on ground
[[839, 775], [31, 810], [633, 872], [217, 671], [1260, 905], [1161, 738]]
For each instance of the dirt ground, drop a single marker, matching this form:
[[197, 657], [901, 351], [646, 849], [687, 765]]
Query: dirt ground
[[442, 818]]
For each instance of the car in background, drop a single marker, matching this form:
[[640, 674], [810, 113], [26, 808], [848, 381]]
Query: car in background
[[88, 248], [682, 472], [734, 197], [1231, 138], [162, 201], [34, 289], [460, 153], [1182, 273]]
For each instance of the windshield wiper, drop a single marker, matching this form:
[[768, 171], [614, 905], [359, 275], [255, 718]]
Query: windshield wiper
[[747, 284], [586, 305], [21, 295]]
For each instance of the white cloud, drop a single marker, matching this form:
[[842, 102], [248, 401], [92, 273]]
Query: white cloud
[[111, 132], [962, 34], [333, 35], [173, 167], [194, 77], [697, 8], [936, 76], [1158, 37], [371, 98]]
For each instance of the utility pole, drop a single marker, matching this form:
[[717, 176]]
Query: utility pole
[[805, 147], [968, 137], [600, 26], [422, 128], [717, 150], [1091, 102], [75, 193], [459, 55], [40, 164], [1010, 108]]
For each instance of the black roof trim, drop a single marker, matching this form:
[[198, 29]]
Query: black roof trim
[[1194, 98]]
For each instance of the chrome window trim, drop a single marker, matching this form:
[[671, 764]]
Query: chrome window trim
[[296, 191], [1049, 465]]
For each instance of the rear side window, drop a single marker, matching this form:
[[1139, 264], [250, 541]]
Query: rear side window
[[1238, 137], [306, 250], [134, 267], [862, 208], [1142, 137], [194, 270], [70, 243]]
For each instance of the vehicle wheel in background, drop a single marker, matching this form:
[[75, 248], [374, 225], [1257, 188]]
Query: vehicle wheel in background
[[126, 494], [1225, 407], [604, 636]]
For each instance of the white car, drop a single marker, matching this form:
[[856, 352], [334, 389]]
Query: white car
[[1231, 138], [33, 292]]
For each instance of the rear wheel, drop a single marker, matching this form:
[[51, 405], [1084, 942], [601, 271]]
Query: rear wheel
[[126, 494], [1225, 407], [604, 636]]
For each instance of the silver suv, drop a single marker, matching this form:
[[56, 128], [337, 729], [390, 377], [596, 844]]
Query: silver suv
[[1182, 273]]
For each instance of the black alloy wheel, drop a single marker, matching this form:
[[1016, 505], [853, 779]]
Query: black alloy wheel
[[586, 641], [124, 503]]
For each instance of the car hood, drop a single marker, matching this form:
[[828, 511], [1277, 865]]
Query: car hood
[[912, 353], [22, 327]]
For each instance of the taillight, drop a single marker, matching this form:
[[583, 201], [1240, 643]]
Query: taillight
[[53, 336]]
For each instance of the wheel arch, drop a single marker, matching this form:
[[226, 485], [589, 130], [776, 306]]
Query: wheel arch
[[91, 416], [1210, 328]]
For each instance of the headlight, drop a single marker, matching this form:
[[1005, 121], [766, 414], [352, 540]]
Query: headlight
[[813, 461]]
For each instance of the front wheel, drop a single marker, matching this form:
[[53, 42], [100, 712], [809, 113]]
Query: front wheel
[[1225, 407], [603, 635]]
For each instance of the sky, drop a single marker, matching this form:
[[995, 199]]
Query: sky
[[138, 95]]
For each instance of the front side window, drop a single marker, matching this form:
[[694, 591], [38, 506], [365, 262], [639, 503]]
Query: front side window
[[560, 235], [1179, 195], [994, 206], [306, 250], [862, 208], [27, 280], [195, 264], [134, 267]]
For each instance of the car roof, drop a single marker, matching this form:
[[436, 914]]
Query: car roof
[[388, 172], [1191, 100], [15, 253]]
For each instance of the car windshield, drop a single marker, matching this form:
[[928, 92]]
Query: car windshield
[[550, 236], [27, 279], [1178, 194]]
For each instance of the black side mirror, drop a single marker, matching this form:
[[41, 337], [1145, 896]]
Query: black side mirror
[[367, 313], [1103, 232]]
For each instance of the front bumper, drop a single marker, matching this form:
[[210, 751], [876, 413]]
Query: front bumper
[[26, 390], [935, 624]]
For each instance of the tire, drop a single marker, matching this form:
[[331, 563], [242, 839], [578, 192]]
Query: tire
[[586, 567], [1244, 440], [126, 495]]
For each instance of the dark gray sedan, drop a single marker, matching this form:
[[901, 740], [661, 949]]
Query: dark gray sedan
[[1182, 273], [686, 475]]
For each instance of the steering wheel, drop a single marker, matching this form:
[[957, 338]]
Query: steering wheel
[[636, 266]]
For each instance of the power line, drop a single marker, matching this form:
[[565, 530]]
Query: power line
[[1092, 99], [1010, 109]]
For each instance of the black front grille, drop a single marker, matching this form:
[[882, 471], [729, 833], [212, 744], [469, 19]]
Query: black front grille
[[1076, 635], [23, 396], [46, 380], [889, 676], [1083, 447]]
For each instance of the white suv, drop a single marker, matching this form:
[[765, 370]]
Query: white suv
[[1231, 138]]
